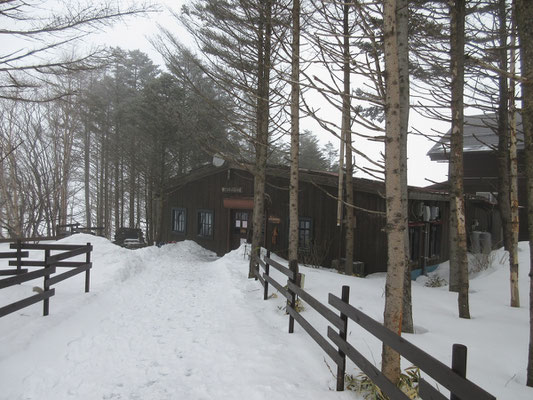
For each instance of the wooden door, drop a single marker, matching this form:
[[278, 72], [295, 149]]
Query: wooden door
[[240, 228]]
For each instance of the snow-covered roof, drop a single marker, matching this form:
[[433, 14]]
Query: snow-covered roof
[[479, 136]]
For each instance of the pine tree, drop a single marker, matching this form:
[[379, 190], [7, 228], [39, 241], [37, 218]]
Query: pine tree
[[524, 13], [395, 196]]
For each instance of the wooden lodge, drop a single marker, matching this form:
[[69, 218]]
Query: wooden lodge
[[480, 160], [213, 206]]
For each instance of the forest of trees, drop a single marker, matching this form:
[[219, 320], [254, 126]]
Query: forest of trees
[[98, 155], [97, 138]]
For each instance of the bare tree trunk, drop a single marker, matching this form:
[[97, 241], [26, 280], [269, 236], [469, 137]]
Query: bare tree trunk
[[138, 220], [149, 212], [402, 15], [261, 140], [504, 197], [66, 159], [158, 217], [116, 192], [101, 201], [12, 195], [122, 191], [347, 135], [457, 205], [513, 170], [87, 175], [132, 190], [295, 138], [454, 265], [396, 217], [524, 19], [108, 201]]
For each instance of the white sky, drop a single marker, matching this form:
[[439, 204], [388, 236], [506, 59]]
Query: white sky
[[136, 32]]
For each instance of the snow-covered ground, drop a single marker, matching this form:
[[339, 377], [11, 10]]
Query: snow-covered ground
[[179, 323]]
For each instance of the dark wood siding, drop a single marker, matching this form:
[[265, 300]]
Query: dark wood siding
[[316, 201], [481, 175], [370, 237], [205, 194]]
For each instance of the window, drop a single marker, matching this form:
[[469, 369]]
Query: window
[[435, 235], [424, 240], [304, 233], [205, 223], [416, 237], [241, 222], [179, 220]]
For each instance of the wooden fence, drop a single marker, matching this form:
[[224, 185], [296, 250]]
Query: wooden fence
[[62, 232], [46, 269], [338, 348], [70, 229]]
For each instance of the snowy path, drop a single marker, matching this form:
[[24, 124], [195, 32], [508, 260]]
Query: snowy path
[[178, 323], [179, 329]]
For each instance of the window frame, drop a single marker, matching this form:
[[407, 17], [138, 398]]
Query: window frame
[[199, 228], [174, 226], [306, 232]]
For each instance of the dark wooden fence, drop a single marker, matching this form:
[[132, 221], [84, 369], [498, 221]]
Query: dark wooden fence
[[62, 232], [47, 267], [32, 239], [338, 348], [70, 229]]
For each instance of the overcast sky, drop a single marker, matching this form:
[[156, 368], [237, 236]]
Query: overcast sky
[[136, 32]]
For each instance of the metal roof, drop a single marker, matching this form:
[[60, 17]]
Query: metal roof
[[479, 136], [315, 177]]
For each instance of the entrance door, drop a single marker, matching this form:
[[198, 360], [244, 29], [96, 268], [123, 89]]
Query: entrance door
[[241, 228]]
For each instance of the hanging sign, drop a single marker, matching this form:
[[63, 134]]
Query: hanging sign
[[232, 190]]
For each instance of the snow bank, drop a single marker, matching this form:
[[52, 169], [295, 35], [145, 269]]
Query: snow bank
[[177, 322]]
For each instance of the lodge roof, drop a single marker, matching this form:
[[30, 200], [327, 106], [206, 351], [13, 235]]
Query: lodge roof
[[322, 178], [480, 135]]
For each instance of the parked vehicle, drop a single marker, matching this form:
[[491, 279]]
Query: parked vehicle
[[133, 243], [131, 238]]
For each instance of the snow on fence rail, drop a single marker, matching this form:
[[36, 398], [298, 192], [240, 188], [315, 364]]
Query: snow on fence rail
[[454, 379], [48, 267]]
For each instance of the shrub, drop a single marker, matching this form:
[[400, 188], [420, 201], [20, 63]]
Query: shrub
[[316, 254], [435, 281], [364, 386], [480, 262]]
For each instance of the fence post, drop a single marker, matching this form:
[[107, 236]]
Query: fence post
[[88, 272], [267, 271], [341, 369], [293, 266], [19, 255], [256, 266], [46, 286], [458, 363]]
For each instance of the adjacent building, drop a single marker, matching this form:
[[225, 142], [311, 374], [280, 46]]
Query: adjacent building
[[480, 160]]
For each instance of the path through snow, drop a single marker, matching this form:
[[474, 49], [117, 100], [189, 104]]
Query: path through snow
[[181, 327]]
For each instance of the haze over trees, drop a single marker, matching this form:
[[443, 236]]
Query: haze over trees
[[39, 35], [118, 140]]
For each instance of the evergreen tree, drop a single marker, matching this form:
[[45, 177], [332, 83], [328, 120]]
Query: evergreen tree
[[238, 46], [311, 156], [524, 13]]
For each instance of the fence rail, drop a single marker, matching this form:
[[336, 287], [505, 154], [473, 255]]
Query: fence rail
[[12, 254], [44, 246], [32, 239], [47, 268], [37, 263], [19, 305], [338, 348]]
